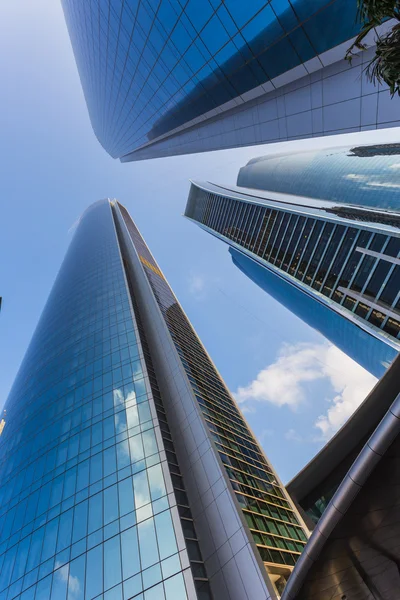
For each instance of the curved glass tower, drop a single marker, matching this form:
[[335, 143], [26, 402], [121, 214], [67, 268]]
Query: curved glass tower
[[164, 77], [320, 232], [126, 468], [361, 176]]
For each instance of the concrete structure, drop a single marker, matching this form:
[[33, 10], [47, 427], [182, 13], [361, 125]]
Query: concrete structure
[[350, 489], [170, 78], [329, 252], [126, 468]]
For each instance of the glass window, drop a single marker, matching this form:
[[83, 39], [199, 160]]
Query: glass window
[[110, 504], [95, 512], [60, 582], [378, 277], [165, 535], [156, 481], [391, 288], [50, 539], [94, 566], [363, 273], [147, 543], [175, 588], [80, 521], [130, 553], [125, 495], [76, 579], [112, 562]]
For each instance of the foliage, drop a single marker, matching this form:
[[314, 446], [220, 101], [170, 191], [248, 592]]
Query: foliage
[[385, 66]]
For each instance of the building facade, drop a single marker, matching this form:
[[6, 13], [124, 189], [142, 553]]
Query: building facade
[[334, 265], [167, 77], [349, 491], [126, 469]]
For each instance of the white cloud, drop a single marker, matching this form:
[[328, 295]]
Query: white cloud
[[283, 383], [352, 384], [355, 176], [73, 581], [196, 285], [292, 435], [384, 184]]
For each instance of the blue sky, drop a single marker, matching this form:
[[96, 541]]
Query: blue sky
[[295, 389]]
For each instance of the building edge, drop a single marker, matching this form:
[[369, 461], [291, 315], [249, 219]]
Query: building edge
[[216, 506]]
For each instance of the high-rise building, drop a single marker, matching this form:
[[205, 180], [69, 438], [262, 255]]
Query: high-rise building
[[319, 237], [126, 469], [349, 489], [172, 77]]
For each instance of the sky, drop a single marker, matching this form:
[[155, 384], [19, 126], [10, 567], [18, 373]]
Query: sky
[[294, 387]]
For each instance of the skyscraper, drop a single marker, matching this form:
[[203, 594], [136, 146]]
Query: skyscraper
[[127, 470], [318, 236], [173, 77]]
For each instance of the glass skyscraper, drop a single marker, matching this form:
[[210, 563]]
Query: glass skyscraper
[[165, 77], [126, 469], [320, 232]]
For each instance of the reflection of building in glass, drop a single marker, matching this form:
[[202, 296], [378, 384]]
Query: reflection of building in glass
[[350, 490], [173, 78], [126, 468], [366, 176], [376, 150], [336, 267]]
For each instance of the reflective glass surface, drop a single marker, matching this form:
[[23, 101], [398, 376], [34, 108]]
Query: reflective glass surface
[[83, 507], [269, 513], [351, 266], [362, 176], [150, 66]]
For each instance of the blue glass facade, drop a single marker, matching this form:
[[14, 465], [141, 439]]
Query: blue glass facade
[[337, 269], [101, 483], [150, 67], [371, 353], [84, 511], [362, 176]]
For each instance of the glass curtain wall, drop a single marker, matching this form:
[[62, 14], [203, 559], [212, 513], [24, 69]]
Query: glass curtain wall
[[84, 511], [270, 515], [352, 266], [152, 66]]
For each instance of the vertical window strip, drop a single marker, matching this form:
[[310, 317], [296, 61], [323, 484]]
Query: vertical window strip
[[253, 240], [269, 220], [372, 275], [283, 236], [297, 254], [332, 264], [328, 246], [312, 222], [319, 250], [214, 211], [249, 225], [217, 212], [272, 236], [226, 209], [249, 211], [235, 215], [228, 217], [293, 241], [239, 220], [352, 253], [298, 244], [278, 238]]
